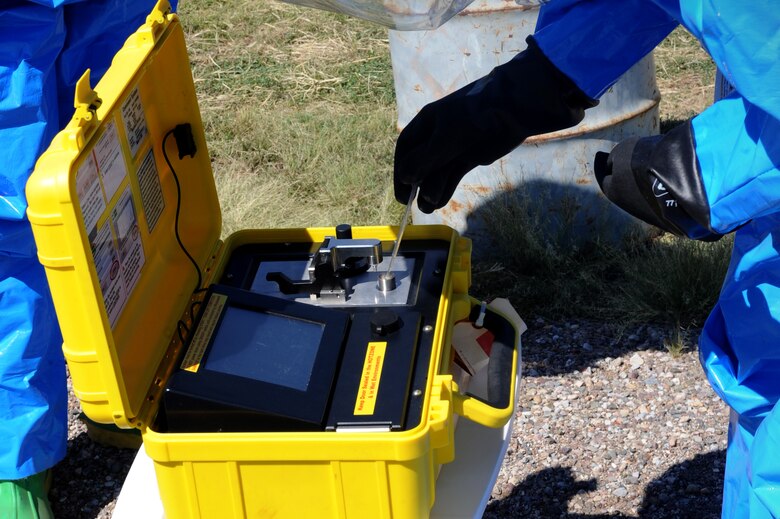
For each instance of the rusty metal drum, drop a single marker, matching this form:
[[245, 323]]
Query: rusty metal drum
[[554, 169]]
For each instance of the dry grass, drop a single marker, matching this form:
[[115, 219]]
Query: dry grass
[[685, 75], [288, 167], [299, 113], [274, 51]]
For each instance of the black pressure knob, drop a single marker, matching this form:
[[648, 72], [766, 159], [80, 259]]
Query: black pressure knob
[[385, 321], [344, 231]]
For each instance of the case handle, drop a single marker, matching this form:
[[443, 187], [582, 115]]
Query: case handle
[[496, 407]]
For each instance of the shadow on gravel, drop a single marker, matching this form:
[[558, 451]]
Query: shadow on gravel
[[544, 494], [691, 489], [89, 478]]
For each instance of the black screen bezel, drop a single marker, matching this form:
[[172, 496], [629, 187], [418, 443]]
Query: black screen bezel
[[285, 402]]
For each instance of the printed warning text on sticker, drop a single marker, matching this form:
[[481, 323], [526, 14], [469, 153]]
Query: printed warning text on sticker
[[370, 378]]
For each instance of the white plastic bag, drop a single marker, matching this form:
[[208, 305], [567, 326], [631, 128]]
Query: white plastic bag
[[402, 15]]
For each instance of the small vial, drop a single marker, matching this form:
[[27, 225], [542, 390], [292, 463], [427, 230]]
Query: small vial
[[386, 282]]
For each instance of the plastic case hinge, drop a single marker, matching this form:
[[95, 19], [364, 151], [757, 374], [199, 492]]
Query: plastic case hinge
[[164, 370], [149, 408]]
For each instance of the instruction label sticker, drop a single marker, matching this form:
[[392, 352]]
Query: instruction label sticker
[[151, 193], [206, 327], [128, 239], [135, 121], [110, 161], [118, 255], [369, 380], [108, 270], [90, 196]]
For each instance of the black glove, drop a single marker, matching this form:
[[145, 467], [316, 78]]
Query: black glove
[[481, 123], [657, 180]]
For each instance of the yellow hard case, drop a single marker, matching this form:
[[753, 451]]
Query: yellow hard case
[[103, 204]]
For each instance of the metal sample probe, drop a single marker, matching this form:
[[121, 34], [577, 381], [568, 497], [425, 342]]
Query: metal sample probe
[[386, 280]]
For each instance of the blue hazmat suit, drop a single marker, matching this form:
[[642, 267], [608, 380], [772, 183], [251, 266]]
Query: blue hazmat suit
[[737, 150], [718, 173], [45, 47]]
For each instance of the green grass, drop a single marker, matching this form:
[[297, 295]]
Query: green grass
[[299, 111]]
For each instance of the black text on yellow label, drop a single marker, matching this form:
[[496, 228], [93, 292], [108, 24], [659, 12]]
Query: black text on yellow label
[[200, 341], [369, 380]]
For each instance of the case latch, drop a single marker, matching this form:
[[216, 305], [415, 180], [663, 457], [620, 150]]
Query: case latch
[[86, 102]]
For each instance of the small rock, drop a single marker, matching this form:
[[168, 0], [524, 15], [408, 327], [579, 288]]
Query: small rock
[[635, 361], [620, 492]]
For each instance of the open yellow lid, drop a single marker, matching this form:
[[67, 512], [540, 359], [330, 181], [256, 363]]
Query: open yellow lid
[[103, 204]]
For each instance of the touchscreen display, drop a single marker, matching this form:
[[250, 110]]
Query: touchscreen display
[[263, 346]]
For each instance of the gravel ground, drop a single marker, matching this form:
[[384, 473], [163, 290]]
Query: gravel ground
[[610, 425]]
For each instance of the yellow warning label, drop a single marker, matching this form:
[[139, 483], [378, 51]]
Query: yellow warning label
[[203, 334], [369, 380]]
